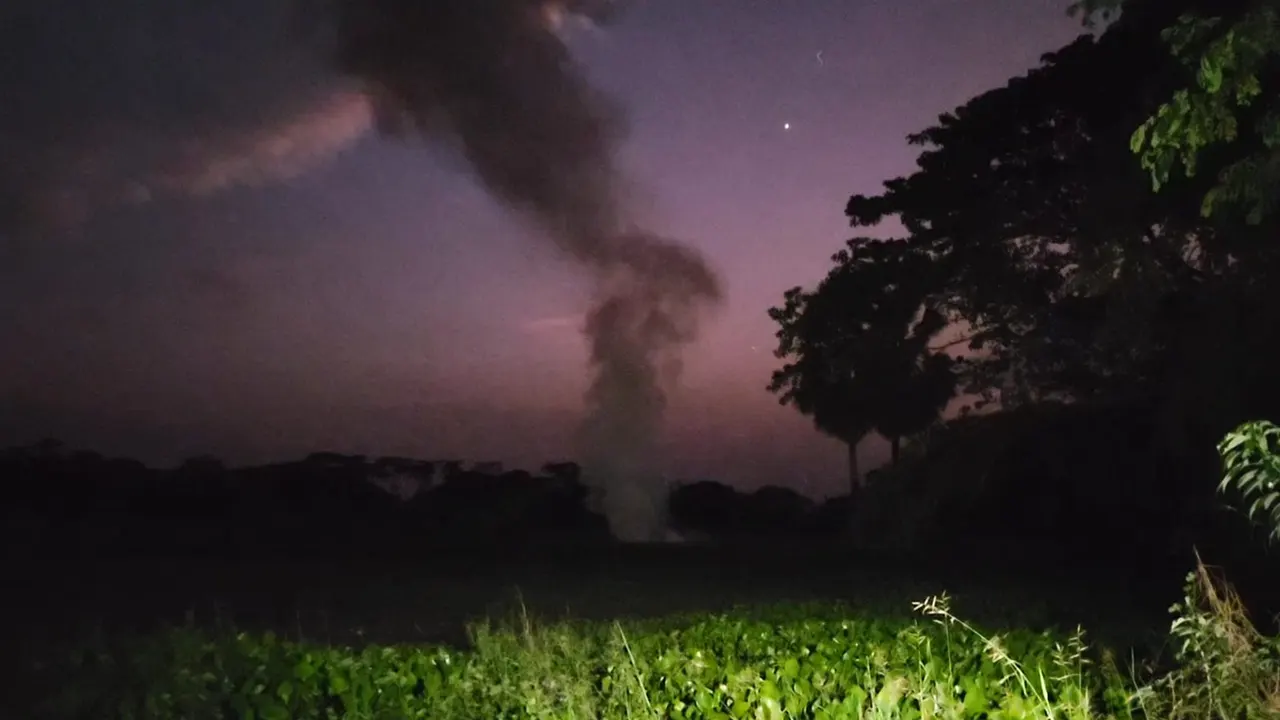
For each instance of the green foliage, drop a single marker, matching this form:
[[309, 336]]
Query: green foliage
[[1229, 103], [1251, 463], [782, 662], [1226, 669], [1229, 60], [188, 673], [1069, 661]]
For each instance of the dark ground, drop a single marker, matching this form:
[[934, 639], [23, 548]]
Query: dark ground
[[429, 596]]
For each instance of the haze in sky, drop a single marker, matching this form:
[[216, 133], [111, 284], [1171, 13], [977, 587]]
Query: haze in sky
[[197, 261]]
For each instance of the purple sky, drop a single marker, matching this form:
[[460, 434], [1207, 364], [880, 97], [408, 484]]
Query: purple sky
[[381, 303]]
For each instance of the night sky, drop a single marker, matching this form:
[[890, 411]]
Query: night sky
[[193, 260]]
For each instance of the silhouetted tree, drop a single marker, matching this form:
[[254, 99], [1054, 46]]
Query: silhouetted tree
[[569, 473], [1076, 281], [834, 401], [715, 511], [705, 507], [773, 510], [1074, 278], [859, 346], [324, 502], [202, 465], [47, 449], [911, 382]]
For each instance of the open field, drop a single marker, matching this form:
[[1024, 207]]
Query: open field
[[405, 599]]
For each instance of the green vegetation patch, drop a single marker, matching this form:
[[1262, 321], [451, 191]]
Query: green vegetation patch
[[778, 662]]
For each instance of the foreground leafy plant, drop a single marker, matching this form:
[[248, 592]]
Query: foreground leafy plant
[[1060, 690], [1225, 669], [1251, 462]]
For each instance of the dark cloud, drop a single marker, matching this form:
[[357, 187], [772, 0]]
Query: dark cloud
[[109, 103]]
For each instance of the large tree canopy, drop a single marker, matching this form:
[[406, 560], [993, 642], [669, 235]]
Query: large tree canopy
[[1070, 268], [1030, 222], [1231, 111]]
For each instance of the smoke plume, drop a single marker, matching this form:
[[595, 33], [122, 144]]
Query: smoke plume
[[155, 96], [495, 77]]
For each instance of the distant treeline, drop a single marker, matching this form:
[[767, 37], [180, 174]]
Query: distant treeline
[[80, 499], [1078, 478], [1044, 481]]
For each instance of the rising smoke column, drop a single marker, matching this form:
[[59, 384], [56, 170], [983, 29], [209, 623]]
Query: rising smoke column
[[647, 310], [495, 78], [116, 102]]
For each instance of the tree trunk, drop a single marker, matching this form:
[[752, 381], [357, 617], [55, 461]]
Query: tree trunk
[[895, 449], [855, 475]]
